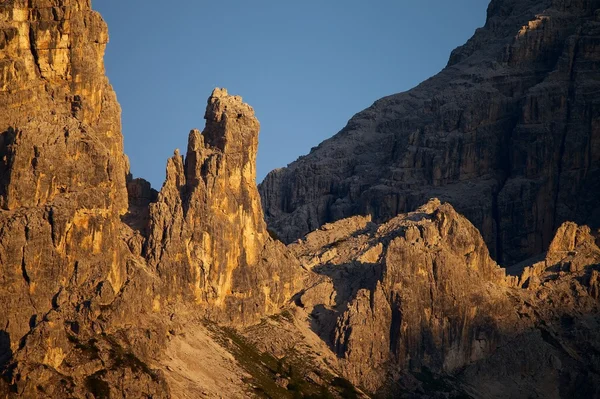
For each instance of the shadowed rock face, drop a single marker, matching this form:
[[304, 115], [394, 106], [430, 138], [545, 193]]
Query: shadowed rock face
[[407, 302], [430, 295], [508, 132]]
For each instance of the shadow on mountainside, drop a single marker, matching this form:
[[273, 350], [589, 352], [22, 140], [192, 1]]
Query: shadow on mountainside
[[5, 358], [348, 279]]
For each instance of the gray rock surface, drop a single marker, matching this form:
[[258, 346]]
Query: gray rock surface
[[508, 132], [417, 306]]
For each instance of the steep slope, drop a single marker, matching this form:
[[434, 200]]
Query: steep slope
[[98, 272], [508, 132], [207, 235], [113, 290], [417, 306]]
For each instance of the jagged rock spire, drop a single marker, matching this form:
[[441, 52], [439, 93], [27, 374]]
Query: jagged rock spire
[[208, 239]]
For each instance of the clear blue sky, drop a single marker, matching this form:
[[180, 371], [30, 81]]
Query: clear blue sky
[[306, 66]]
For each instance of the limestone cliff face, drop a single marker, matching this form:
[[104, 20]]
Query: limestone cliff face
[[83, 247], [62, 193], [508, 133], [418, 299], [62, 168], [208, 239], [418, 291], [60, 115], [63, 264], [107, 286]]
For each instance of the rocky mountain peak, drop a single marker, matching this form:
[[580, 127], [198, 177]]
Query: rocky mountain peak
[[217, 249], [507, 133], [110, 289], [231, 123]]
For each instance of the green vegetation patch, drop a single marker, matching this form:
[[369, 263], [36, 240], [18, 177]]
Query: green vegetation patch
[[266, 370]]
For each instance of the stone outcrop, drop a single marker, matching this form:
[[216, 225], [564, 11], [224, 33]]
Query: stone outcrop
[[419, 291], [508, 132], [111, 289], [417, 305], [84, 247], [208, 240]]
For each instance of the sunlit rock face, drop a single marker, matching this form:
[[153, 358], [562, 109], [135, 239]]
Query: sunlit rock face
[[60, 115], [63, 264], [208, 239], [62, 168], [508, 132], [111, 289], [79, 255]]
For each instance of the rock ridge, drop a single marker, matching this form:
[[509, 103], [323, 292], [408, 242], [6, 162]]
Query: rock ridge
[[507, 133], [111, 289], [207, 234]]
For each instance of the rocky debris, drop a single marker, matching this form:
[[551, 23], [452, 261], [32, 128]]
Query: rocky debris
[[196, 365], [507, 133]]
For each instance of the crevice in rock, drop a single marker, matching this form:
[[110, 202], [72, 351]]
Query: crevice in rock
[[395, 325], [24, 269], [7, 139], [505, 169], [33, 49], [140, 196]]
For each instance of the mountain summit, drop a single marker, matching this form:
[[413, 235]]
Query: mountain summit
[[110, 289], [507, 132]]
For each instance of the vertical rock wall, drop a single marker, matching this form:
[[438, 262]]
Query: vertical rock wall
[[208, 239], [507, 132]]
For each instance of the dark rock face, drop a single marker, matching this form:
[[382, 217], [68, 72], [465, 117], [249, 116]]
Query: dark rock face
[[432, 296], [509, 133]]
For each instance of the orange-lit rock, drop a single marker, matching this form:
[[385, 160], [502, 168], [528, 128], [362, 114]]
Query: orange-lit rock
[[208, 239]]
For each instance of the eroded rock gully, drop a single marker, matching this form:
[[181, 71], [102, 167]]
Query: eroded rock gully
[[111, 289]]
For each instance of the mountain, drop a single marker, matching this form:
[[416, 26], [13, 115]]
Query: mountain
[[82, 250], [508, 133], [416, 306], [110, 289]]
